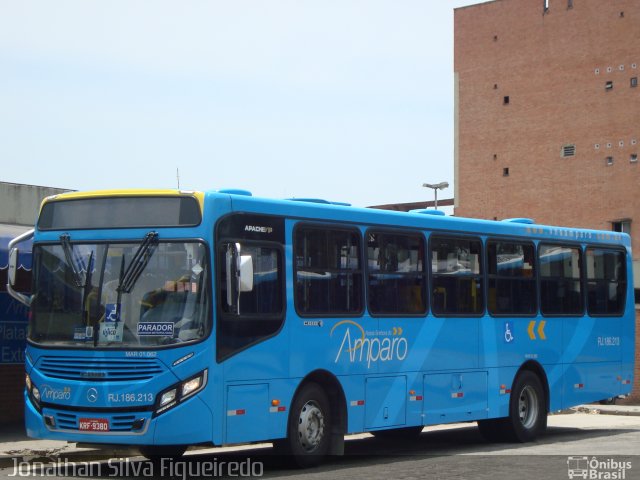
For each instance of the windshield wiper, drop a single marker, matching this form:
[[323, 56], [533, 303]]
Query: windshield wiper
[[73, 260], [138, 263]]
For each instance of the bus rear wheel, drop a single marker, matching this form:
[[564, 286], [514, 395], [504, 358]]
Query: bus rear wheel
[[309, 429], [527, 413]]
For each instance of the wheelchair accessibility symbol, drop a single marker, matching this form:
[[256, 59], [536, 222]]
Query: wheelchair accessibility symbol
[[111, 313], [508, 336]]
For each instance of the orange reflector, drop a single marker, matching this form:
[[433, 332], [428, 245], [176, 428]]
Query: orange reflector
[[275, 403], [412, 392]]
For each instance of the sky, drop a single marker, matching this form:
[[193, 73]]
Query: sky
[[347, 100]]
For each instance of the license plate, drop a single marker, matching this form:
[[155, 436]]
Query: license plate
[[93, 425]]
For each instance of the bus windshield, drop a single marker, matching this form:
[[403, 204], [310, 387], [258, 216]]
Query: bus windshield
[[144, 294]]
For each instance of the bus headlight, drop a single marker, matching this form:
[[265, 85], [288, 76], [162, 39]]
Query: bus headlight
[[179, 392], [33, 392], [191, 386], [168, 397]]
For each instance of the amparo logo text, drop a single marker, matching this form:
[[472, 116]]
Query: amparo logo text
[[359, 346]]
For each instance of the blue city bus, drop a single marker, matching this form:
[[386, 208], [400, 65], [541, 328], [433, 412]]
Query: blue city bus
[[163, 319]]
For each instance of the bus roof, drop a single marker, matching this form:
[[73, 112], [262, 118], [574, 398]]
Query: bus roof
[[323, 210]]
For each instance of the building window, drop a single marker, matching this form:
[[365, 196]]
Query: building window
[[570, 4], [505, 172], [623, 226], [505, 100], [609, 85], [609, 161], [568, 150], [633, 158], [634, 82]]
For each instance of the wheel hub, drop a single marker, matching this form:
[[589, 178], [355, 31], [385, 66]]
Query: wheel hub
[[310, 426], [528, 406]]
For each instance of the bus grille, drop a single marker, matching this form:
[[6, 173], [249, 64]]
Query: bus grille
[[117, 423], [100, 369]]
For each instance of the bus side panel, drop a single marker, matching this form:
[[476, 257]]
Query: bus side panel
[[499, 382], [628, 340], [386, 402], [354, 393], [455, 397], [592, 359], [247, 413], [428, 344], [511, 341]]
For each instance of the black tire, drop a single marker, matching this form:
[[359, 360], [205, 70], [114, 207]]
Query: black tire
[[527, 408], [527, 413], [398, 433], [158, 452], [309, 428]]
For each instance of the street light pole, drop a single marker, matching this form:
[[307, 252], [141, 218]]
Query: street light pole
[[436, 187]]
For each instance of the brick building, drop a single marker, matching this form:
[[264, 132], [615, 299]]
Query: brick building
[[547, 119]]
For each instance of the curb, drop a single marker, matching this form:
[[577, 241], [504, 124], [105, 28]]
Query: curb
[[607, 410]]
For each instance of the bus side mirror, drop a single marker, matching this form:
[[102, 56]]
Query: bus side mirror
[[13, 268], [239, 275], [245, 277]]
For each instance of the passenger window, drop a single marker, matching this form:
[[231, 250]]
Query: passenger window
[[251, 295], [606, 281], [560, 277], [512, 279], [396, 274], [328, 271], [457, 276]]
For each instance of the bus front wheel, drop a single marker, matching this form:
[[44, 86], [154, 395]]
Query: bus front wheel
[[309, 429]]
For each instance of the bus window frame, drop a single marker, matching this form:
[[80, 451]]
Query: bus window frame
[[583, 303], [536, 282], [482, 276], [210, 314], [586, 279], [246, 318], [425, 270], [324, 226]]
